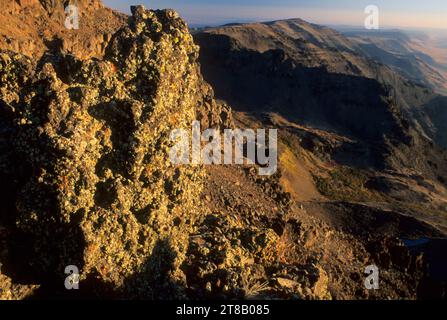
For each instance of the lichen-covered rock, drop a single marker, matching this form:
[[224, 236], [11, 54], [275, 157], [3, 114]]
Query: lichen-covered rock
[[100, 192]]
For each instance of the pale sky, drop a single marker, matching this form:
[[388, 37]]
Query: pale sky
[[393, 13]]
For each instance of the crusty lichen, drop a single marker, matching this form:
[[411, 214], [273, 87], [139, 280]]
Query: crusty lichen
[[103, 194]]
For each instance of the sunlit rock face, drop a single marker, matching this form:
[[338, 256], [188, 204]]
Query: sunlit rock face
[[89, 140]]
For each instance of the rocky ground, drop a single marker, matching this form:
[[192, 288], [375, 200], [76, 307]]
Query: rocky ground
[[35, 26]]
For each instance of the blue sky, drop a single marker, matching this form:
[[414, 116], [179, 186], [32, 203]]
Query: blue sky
[[393, 13]]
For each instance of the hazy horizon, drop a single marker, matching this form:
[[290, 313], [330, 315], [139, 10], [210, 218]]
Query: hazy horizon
[[430, 14]]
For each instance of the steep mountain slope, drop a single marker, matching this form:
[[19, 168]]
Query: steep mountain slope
[[358, 128], [420, 58], [314, 75], [402, 52]]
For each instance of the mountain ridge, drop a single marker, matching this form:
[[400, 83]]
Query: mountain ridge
[[352, 96], [402, 52]]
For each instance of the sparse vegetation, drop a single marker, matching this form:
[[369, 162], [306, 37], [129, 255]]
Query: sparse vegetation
[[345, 184]]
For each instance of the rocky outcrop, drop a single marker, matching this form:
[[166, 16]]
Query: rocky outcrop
[[88, 158]]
